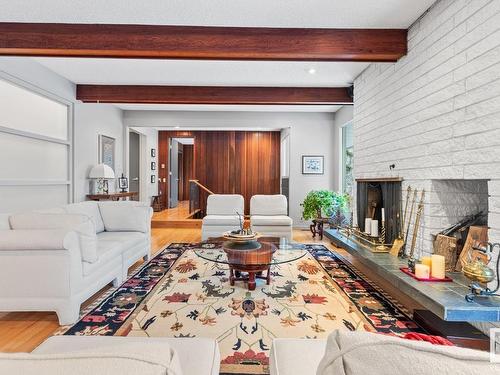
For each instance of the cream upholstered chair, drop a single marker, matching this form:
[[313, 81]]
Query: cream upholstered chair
[[268, 216], [222, 214]]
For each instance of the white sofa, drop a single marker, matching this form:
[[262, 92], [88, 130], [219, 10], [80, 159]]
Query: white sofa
[[359, 353], [221, 214], [268, 216], [54, 260], [103, 355]]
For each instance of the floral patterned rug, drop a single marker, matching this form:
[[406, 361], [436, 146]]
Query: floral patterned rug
[[178, 294]]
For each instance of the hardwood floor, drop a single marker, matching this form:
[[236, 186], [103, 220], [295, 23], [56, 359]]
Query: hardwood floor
[[23, 331]]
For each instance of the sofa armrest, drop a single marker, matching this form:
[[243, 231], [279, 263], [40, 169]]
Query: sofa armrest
[[38, 239], [126, 216]]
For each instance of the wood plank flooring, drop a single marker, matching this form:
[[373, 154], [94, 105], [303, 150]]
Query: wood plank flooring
[[23, 331]]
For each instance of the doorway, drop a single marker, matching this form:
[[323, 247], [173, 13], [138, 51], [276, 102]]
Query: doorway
[[135, 163], [181, 170]]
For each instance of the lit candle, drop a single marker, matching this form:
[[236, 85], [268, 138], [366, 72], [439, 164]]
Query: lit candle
[[422, 271], [374, 230], [383, 215], [368, 225], [427, 261], [438, 268]]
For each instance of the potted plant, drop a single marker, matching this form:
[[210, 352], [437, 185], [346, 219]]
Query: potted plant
[[326, 204]]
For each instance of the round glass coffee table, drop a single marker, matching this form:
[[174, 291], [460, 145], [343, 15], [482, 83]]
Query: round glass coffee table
[[248, 263]]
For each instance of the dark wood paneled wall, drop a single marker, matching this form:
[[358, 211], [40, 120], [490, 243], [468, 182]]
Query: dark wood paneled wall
[[231, 162]]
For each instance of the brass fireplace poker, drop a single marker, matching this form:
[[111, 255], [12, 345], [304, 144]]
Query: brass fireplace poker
[[480, 274], [403, 249], [420, 209]]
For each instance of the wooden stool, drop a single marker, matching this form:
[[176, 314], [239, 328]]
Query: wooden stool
[[157, 206]]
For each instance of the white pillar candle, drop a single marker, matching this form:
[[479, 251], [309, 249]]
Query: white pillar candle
[[368, 225], [383, 215], [355, 221], [374, 230], [422, 271], [438, 267]]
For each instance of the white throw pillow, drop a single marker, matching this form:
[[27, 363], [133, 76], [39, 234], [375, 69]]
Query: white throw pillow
[[126, 216], [123, 359], [81, 224], [352, 353], [90, 209]]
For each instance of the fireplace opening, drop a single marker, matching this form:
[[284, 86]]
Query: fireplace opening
[[378, 199]]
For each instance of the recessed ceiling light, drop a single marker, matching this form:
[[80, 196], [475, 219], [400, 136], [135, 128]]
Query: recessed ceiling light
[[311, 71], [177, 127]]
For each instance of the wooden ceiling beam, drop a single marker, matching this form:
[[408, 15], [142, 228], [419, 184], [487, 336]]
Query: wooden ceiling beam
[[212, 95], [201, 42]]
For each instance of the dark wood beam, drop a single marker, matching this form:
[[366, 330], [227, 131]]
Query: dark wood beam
[[212, 95], [200, 42]]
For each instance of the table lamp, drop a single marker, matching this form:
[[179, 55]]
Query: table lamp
[[102, 173]]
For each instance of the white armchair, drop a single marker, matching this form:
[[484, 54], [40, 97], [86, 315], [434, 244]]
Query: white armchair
[[268, 216], [221, 214]]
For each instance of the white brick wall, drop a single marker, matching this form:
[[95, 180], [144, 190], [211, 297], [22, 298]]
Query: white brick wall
[[436, 112]]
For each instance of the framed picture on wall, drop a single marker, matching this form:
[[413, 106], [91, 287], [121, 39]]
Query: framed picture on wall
[[107, 151], [153, 153], [153, 178], [153, 166], [313, 164]]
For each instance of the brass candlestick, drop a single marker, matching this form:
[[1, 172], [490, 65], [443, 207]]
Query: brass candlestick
[[381, 239]]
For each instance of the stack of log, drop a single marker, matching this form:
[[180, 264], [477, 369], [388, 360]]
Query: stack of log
[[456, 242]]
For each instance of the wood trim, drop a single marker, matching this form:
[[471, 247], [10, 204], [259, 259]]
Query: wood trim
[[212, 95], [201, 42]]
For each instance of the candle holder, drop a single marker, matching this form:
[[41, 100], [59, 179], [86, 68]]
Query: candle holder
[[381, 239]]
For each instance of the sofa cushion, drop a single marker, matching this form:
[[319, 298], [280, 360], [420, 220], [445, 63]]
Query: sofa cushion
[[225, 204], [91, 209], [279, 220], [221, 220], [197, 356], [268, 205], [4, 222], [107, 251], [352, 353], [287, 356], [124, 358], [81, 224], [126, 216]]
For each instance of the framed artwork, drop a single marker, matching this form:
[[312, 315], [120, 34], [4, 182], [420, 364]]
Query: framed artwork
[[153, 178], [123, 183], [313, 164], [153, 166], [153, 153], [107, 151]]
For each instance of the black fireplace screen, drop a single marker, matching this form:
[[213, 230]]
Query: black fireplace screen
[[389, 199]]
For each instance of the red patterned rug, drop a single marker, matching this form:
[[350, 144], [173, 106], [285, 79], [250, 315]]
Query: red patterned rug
[[178, 294]]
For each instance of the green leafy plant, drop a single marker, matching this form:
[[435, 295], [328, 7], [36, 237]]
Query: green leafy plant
[[324, 203]]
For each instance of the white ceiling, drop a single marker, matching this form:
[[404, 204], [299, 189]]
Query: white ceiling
[[185, 141], [256, 13], [199, 72], [263, 13], [229, 108]]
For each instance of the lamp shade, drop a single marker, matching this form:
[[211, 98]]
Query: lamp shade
[[101, 171]]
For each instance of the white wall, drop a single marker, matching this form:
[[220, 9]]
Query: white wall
[[92, 120], [436, 112], [310, 134], [342, 117]]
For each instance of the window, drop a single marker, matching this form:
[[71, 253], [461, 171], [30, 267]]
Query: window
[[35, 148], [347, 158]]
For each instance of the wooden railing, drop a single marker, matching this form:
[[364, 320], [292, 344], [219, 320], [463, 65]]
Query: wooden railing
[[198, 194]]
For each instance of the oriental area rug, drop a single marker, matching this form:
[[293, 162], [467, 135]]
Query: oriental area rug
[[178, 294]]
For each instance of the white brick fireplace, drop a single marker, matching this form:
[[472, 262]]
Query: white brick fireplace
[[435, 114]]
